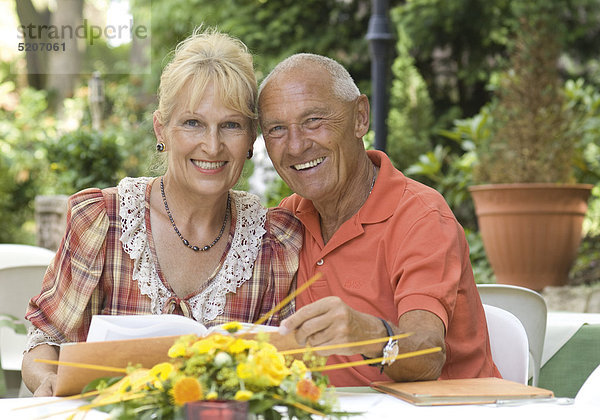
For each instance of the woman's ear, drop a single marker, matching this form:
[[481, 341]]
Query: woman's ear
[[362, 114], [158, 127]]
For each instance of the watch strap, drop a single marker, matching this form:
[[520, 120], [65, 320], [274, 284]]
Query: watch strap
[[390, 333]]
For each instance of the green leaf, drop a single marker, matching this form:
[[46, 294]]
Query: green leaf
[[103, 382], [13, 323]]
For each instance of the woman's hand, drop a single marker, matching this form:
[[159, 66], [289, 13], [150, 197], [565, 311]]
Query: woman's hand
[[40, 378], [47, 386]]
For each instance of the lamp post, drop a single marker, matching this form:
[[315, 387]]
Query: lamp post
[[96, 99], [379, 37]]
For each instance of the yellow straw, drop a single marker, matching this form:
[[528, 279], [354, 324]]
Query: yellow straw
[[300, 406], [376, 360], [288, 298], [90, 406], [82, 365], [72, 397], [344, 345]]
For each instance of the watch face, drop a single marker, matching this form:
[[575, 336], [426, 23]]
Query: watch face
[[390, 350]]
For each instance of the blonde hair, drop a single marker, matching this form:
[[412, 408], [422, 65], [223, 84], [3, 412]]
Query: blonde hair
[[208, 56]]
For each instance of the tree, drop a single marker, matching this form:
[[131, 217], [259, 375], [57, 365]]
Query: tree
[[52, 70], [456, 45], [459, 44], [274, 30], [64, 67], [36, 63]]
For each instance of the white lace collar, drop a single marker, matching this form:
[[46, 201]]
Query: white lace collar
[[237, 267]]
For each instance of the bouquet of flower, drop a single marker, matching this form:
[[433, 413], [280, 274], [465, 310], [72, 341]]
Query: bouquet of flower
[[219, 368]]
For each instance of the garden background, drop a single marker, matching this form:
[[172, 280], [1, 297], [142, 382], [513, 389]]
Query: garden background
[[448, 56]]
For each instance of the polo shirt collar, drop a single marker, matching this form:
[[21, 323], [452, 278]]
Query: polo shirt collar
[[380, 205], [387, 192]]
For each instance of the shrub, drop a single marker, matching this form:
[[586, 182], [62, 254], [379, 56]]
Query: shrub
[[83, 159], [410, 118], [532, 138]]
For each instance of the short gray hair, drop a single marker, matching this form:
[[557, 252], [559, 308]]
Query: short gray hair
[[343, 85]]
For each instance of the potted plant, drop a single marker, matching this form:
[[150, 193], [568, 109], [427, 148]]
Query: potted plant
[[530, 211]]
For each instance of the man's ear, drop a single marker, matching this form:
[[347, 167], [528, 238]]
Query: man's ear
[[362, 114]]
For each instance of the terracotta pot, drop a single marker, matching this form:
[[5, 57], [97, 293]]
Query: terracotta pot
[[531, 232]]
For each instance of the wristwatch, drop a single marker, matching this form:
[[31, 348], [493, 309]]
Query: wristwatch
[[391, 348]]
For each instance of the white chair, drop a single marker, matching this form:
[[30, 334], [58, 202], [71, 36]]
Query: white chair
[[527, 305], [22, 269], [589, 393], [508, 341]]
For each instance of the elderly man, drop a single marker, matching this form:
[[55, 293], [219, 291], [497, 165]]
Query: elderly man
[[393, 257]]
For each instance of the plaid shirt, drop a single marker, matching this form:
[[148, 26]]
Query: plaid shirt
[[92, 274]]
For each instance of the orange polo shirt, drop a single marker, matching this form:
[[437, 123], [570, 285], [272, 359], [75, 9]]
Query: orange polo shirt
[[403, 250]]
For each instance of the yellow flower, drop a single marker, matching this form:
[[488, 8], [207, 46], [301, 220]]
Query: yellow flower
[[271, 365], [141, 379], [244, 370], [128, 387], [161, 371], [202, 346], [221, 342], [212, 342], [212, 395], [186, 389], [240, 345], [263, 345], [232, 327], [181, 347], [177, 350], [243, 395], [299, 368], [133, 382]]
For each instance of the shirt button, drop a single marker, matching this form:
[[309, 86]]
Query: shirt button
[[320, 262]]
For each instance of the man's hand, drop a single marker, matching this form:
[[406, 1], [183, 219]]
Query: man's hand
[[330, 321]]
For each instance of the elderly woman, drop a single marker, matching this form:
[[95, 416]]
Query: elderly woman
[[184, 242]]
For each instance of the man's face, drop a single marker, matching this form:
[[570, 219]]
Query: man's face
[[311, 136]]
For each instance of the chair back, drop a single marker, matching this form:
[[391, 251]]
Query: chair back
[[22, 269], [527, 305], [508, 341], [589, 393]]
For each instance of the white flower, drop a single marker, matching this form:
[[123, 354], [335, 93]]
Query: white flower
[[222, 359]]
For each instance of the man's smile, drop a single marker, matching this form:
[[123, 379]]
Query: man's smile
[[309, 164]]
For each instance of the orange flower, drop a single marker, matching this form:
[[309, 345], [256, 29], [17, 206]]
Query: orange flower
[[306, 388], [186, 390]]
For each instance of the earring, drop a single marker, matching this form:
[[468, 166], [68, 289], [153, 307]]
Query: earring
[[160, 147], [249, 154]]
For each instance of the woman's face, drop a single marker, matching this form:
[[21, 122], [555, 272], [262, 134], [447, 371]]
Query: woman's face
[[206, 146]]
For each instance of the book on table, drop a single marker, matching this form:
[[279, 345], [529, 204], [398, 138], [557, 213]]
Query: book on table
[[120, 340], [461, 391]]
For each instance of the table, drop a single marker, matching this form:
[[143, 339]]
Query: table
[[373, 405], [571, 351]]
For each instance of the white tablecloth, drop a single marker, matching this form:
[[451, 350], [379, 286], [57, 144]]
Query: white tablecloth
[[561, 326], [374, 406]]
